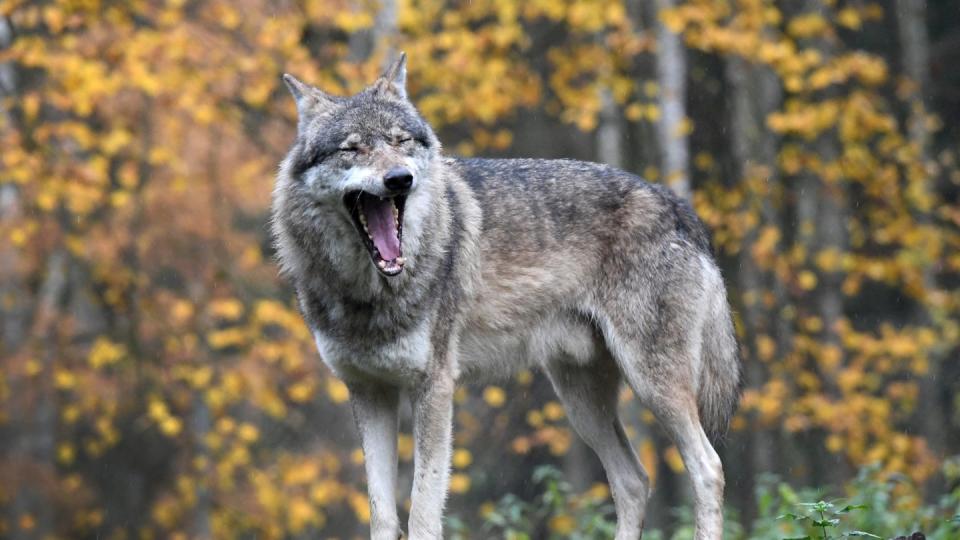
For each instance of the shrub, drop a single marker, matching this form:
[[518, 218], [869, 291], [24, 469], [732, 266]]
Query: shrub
[[870, 506]]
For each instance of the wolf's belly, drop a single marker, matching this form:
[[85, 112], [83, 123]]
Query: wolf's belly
[[486, 353]]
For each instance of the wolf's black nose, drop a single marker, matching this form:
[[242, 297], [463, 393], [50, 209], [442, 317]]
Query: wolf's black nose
[[398, 179]]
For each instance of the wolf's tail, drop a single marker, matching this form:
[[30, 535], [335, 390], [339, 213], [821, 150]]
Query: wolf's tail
[[720, 376]]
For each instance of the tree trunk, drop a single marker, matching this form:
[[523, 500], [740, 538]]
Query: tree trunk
[[610, 131], [671, 75], [365, 43], [34, 436], [822, 218], [13, 309], [915, 59], [29, 448], [754, 94]]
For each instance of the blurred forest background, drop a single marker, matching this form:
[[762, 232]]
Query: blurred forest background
[[158, 381]]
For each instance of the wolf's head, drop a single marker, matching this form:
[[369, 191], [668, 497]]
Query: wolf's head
[[359, 159]]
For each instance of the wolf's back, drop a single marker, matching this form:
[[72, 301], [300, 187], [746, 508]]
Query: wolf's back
[[567, 193]]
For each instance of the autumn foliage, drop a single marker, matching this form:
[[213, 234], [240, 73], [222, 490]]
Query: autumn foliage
[[158, 380]]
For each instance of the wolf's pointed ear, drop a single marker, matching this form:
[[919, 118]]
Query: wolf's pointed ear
[[310, 99], [394, 79]]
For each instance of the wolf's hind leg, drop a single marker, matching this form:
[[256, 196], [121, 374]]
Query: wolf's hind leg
[[678, 415], [375, 411], [664, 384], [589, 394]]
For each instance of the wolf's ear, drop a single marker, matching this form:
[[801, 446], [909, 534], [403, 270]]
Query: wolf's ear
[[394, 79], [310, 99]]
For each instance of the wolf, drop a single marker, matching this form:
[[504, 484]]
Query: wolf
[[416, 271]]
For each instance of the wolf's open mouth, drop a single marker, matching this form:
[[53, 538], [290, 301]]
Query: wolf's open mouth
[[379, 220]]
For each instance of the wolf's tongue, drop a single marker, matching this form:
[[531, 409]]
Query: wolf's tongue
[[382, 227]]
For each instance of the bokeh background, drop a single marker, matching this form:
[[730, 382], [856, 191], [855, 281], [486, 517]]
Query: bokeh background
[[158, 382]]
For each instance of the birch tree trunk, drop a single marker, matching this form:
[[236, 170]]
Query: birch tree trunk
[[13, 310], [365, 43], [610, 131], [671, 75]]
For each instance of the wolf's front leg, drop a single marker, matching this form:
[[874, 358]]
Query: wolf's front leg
[[432, 427], [375, 411]]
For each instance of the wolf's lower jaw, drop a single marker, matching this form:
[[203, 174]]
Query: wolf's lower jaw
[[379, 221]]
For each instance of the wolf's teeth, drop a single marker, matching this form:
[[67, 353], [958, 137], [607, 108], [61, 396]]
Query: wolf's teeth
[[382, 264], [401, 260]]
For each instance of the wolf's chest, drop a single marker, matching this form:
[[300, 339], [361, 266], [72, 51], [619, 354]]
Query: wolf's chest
[[399, 360]]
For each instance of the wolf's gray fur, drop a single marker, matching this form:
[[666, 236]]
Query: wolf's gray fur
[[581, 269]]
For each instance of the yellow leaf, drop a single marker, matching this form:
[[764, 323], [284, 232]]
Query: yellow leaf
[[850, 18], [673, 459], [672, 19], [228, 337], [459, 483], [301, 391], [64, 380], [494, 396], [105, 353], [766, 347], [598, 492], [361, 507], [171, 426], [650, 459], [553, 411], [462, 458], [248, 432], [562, 524], [229, 309], [65, 453], [405, 446], [356, 456], [807, 280], [337, 391], [683, 128]]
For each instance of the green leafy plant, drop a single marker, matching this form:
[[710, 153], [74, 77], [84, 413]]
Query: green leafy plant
[[558, 512], [873, 506], [822, 519]]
